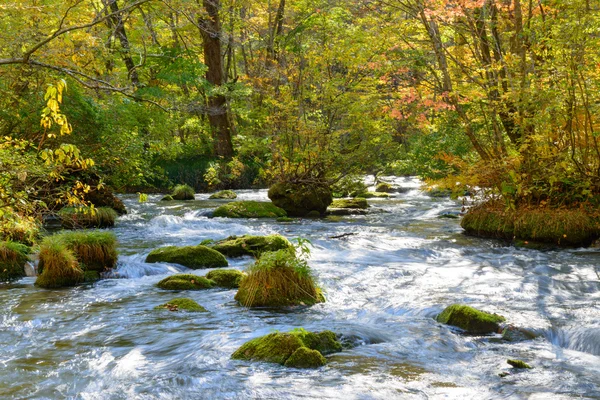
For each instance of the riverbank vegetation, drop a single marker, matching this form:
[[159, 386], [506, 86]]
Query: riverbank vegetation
[[496, 99]]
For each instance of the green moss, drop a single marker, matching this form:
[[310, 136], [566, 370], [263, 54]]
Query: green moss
[[358, 203], [237, 246], [228, 278], [94, 250], [224, 194], [279, 347], [249, 209], [182, 304], [85, 217], [91, 276], [61, 268], [13, 257], [368, 195], [194, 257], [438, 192], [167, 198], [383, 187], [519, 364], [299, 199], [183, 192], [515, 334], [185, 282], [305, 358], [324, 342], [278, 279], [470, 319]]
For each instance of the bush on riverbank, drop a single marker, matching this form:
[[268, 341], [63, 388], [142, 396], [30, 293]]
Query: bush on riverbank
[[13, 257], [59, 265], [87, 217]]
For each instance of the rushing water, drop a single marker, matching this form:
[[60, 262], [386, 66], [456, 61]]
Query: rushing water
[[384, 283]]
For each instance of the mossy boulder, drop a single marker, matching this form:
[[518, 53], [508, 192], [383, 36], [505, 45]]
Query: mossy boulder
[[284, 348], [227, 278], [369, 195], [194, 257], [518, 364], [512, 333], [238, 246], [278, 279], [249, 209], [167, 198], [185, 282], [299, 199], [356, 203], [183, 192], [224, 194], [87, 217], [182, 304], [13, 257], [61, 268], [384, 187], [470, 319]]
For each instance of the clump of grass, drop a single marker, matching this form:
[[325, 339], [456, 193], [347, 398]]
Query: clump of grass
[[13, 257], [60, 267], [87, 217], [95, 250], [183, 192], [279, 279]]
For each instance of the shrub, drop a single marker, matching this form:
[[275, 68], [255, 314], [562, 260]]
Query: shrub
[[87, 217], [13, 257], [60, 267], [183, 192]]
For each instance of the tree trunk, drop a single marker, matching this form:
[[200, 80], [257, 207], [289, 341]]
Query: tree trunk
[[118, 26]]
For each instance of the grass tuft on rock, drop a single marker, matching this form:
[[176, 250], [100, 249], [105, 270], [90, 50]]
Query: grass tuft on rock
[[227, 278], [278, 279], [183, 192], [238, 246], [282, 348], [470, 319], [87, 217], [182, 304], [194, 257], [13, 257], [224, 194], [249, 209], [185, 282], [60, 267]]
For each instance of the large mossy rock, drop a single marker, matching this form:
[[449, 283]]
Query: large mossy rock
[[194, 257], [561, 227], [224, 194], [384, 187], [299, 199], [369, 195], [86, 217], [227, 278], [298, 349], [183, 192], [13, 257], [356, 203], [470, 319], [249, 209], [182, 304], [185, 282], [60, 266], [278, 279], [238, 246]]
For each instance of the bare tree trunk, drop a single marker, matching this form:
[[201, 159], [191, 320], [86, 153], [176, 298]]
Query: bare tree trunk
[[118, 26]]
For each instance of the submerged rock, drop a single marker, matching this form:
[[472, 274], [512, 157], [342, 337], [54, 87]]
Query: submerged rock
[[470, 319], [224, 194], [238, 246], [249, 209], [285, 348], [182, 304], [194, 257], [345, 211], [185, 282], [514, 334], [13, 257], [299, 199], [227, 278], [356, 203], [518, 364]]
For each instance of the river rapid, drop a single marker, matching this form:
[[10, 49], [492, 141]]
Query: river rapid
[[385, 281]]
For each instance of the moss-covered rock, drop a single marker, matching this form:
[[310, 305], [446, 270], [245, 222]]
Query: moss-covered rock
[[278, 279], [61, 268], [167, 198], [86, 217], [249, 209], [238, 246], [519, 364], [356, 203], [13, 257], [182, 304], [345, 211], [183, 192], [369, 195], [194, 257], [561, 227], [470, 319], [298, 199], [384, 187], [515, 334], [227, 278], [280, 347], [224, 194], [286, 219], [185, 282]]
